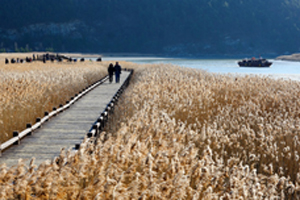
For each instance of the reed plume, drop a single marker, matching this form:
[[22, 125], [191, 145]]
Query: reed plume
[[180, 133], [29, 89]]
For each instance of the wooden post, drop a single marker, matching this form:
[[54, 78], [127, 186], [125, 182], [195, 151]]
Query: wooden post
[[16, 134], [67, 102], [29, 126], [46, 114], [60, 106], [89, 134], [37, 121], [100, 121], [77, 146], [96, 129], [54, 109]]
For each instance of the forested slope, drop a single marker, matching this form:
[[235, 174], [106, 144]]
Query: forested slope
[[169, 27]]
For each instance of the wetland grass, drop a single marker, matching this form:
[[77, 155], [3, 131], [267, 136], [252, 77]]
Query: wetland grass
[[180, 133], [29, 89]]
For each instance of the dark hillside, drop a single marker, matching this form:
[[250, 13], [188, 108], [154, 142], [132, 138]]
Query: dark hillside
[[169, 27]]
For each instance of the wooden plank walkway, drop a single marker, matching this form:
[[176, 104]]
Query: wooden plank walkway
[[64, 130]]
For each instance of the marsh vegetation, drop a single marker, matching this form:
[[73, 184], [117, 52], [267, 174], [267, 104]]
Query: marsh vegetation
[[181, 133], [29, 89]]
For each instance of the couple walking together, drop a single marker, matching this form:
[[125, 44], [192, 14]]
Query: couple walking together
[[114, 69]]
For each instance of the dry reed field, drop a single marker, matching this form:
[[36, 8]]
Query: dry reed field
[[180, 134], [29, 89]]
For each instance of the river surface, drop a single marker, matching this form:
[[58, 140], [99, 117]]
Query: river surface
[[279, 69]]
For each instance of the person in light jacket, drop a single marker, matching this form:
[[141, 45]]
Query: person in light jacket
[[117, 72]]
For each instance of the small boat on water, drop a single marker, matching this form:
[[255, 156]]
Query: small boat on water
[[261, 62]]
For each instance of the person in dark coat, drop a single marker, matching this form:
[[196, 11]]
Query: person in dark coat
[[117, 72], [111, 70]]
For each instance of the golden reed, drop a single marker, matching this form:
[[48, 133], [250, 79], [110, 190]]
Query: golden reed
[[180, 134], [29, 89]]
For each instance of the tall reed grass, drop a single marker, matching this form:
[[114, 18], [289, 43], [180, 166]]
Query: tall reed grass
[[180, 134], [29, 89]]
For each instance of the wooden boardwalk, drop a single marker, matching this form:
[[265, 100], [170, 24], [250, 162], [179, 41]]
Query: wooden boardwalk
[[64, 130]]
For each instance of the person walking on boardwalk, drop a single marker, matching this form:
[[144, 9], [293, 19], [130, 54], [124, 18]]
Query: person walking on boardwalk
[[117, 72], [111, 70]]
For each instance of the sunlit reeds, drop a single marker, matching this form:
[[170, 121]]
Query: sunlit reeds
[[234, 122], [29, 89], [181, 134]]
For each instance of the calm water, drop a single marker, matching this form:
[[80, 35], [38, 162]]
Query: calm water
[[278, 69]]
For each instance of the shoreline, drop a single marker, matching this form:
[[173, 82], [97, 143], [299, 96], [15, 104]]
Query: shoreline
[[293, 57], [143, 55], [29, 54]]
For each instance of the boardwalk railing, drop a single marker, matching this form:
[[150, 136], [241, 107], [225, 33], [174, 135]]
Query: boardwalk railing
[[39, 121], [98, 126]]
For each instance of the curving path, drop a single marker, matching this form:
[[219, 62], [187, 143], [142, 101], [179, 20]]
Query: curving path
[[64, 130]]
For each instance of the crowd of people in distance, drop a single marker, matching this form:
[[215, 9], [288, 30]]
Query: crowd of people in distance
[[18, 60], [46, 57], [114, 70]]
